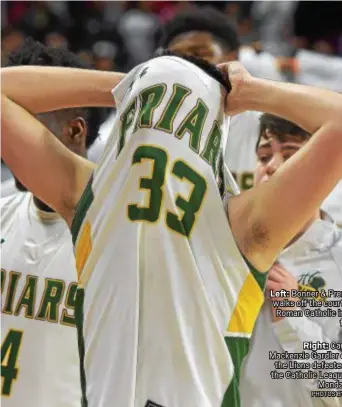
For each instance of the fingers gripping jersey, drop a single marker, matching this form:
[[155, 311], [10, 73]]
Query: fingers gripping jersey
[[167, 303]]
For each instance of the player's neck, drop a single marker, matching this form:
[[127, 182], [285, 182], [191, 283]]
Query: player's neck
[[317, 215], [41, 205]]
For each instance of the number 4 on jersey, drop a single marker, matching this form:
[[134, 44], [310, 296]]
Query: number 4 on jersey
[[9, 355]]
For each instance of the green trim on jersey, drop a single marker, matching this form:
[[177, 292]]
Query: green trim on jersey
[[79, 301], [82, 209], [238, 349], [258, 275]]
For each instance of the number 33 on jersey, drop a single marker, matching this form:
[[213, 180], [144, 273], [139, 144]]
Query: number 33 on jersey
[[166, 302]]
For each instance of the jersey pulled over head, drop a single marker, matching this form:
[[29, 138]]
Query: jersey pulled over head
[[154, 249]]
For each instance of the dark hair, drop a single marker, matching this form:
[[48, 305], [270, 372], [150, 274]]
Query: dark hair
[[35, 53], [206, 66], [202, 19], [10, 29], [279, 128]]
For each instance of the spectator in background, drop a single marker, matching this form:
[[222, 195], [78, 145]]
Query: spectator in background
[[104, 55], [138, 29], [56, 39], [97, 21], [12, 38], [246, 29], [39, 19], [87, 56], [166, 10], [15, 10], [274, 20]]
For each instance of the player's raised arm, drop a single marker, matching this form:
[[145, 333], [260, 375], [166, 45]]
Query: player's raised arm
[[267, 217], [42, 89], [41, 162]]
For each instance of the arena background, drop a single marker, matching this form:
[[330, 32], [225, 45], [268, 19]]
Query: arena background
[[117, 35]]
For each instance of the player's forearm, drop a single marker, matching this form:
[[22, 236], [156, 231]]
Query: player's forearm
[[35, 156], [42, 89], [308, 107]]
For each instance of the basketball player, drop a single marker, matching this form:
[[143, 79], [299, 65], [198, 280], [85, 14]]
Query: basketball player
[[207, 33], [39, 355], [169, 289], [311, 262]]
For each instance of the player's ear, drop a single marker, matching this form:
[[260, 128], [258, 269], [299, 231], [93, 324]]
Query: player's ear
[[75, 134]]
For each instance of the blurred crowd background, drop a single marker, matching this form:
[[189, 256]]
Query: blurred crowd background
[[121, 34], [118, 35]]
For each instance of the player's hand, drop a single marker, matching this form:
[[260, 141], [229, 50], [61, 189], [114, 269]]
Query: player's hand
[[280, 279], [239, 79]]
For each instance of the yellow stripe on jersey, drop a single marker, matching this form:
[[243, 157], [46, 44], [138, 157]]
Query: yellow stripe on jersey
[[83, 248], [247, 309]]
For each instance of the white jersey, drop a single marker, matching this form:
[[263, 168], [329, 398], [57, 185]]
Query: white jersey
[[166, 302], [260, 64], [333, 204], [240, 153], [315, 259], [5, 172], [39, 355], [244, 127], [320, 70], [8, 188], [96, 150]]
